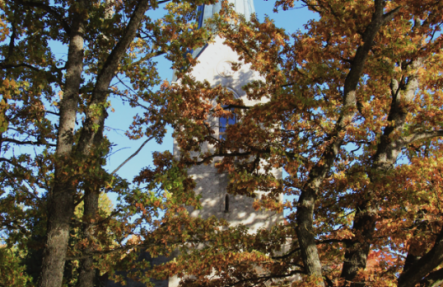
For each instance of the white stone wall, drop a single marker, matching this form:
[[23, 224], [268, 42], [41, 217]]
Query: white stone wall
[[212, 185], [214, 67]]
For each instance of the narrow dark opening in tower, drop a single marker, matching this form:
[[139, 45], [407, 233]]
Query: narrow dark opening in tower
[[225, 122], [227, 203]]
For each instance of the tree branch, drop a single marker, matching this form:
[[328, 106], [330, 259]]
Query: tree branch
[[264, 278], [104, 78], [52, 113], [390, 15], [419, 269], [232, 154], [134, 154], [11, 66], [433, 278], [317, 243], [422, 136], [38, 142], [12, 39], [109, 67], [49, 75], [22, 188], [59, 17], [11, 162], [236, 107], [123, 248], [306, 203]]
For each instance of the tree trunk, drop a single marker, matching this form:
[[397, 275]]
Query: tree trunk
[[306, 203], [305, 234], [61, 197], [357, 252], [422, 267], [388, 149], [87, 273], [92, 138]]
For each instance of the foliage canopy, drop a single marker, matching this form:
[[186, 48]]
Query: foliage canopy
[[353, 114], [53, 110]]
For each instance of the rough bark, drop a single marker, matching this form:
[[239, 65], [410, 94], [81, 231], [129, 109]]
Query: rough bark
[[61, 200], [384, 159], [422, 267], [434, 278], [87, 271], [91, 137], [306, 203], [101, 89]]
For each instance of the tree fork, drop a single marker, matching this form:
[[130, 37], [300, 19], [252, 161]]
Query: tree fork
[[357, 251], [91, 138], [306, 203]]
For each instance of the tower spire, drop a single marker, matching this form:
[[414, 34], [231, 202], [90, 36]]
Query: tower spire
[[245, 7]]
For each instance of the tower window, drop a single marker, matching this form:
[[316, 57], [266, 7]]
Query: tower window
[[227, 203], [224, 122]]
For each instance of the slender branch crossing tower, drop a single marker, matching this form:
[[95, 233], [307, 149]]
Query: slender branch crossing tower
[[214, 65]]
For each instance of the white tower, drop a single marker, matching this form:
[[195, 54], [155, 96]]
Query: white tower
[[214, 66]]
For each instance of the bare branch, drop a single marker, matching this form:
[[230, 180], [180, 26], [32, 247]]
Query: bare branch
[[79, 201], [48, 74], [38, 142], [265, 278], [110, 66], [12, 227], [317, 243], [134, 154], [388, 16], [11, 66], [52, 113], [422, 136], [236, 107], [12, 39], [11, 162]]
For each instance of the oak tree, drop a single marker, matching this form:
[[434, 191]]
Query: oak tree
[[354, 117], [53, 144]]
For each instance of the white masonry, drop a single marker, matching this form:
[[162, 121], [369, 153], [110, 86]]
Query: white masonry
[[214, 66]]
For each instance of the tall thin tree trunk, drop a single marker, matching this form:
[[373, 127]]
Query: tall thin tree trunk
[[91, 138], [61, 198], [87, 271]]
